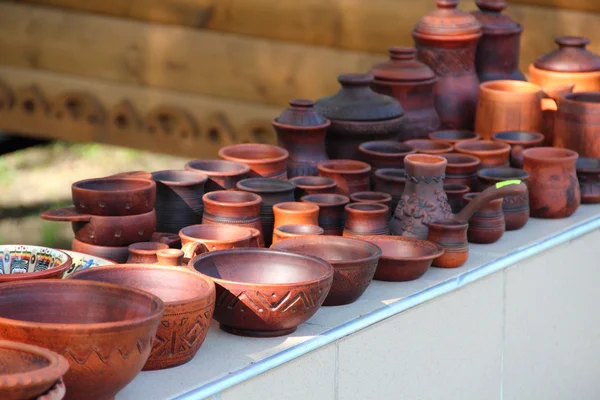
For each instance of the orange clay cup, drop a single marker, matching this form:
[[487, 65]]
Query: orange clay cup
[[291, 213]]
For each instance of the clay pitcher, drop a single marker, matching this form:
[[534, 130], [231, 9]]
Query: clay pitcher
[[577, 125]]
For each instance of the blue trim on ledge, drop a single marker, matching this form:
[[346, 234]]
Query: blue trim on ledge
[[379, 315]]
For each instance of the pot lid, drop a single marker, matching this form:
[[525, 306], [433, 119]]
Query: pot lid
[[402, 67], [357, 102], [492, 20], [446, 20], [301, 113], [571, 56]]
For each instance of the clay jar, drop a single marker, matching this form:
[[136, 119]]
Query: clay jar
[[446, 40], [264, 160], [452, 137], [350, 176], [518, 141], [358, 115], [366, 219], [390, 181], [427, 146], [411, 83], [145, 252], [553, 187], [455, 193], [284, 232], [461, 169], [272, 191], [498, 49], [491, 153], [222, 174], [331, 211], [487, 224], [293, 213], [385, 154], [577, 125], [301, 131], [588, 173], [313, 184], [451, 234]]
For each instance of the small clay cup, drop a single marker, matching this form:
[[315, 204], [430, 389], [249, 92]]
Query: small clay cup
[[264, 160], [332, 217], [427, 146], [492, 154], [390, 181], [113, 196], [293, 213], [144, 252], [451, 234], [453, 136], [222, 174], [461, 169], [313, 184], [297, 230], [198, 239], [118, 254], [455, 193], [385, 153], [487, 224], [588, 174], [518, 140], [373, 197], [351, 176], [366, 219]]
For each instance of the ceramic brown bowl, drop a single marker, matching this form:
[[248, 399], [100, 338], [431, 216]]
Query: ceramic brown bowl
[[262, 292], [117, 254], [114, 196], [313, 184], [189, 300], [354, 262], [452, 136], [284, 232], [427, 146], [222, 174], [27, 371], [385, 153], [24, 262], [403, 258], [105, 331], [264, 160], [198, 239], [351, 176]]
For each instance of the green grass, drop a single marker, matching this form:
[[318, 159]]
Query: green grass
[[50, 234]]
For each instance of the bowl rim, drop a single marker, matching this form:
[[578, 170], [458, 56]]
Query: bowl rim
[[233, 229], [197, 177], [39, 274], [146, 184], [243, 168], [439, 250], [226, 153]]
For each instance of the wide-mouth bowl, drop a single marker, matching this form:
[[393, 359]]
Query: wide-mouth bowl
[[310, 182], [429, 146], [502, 174], [179, 177], [519, 137], [588, 164], [386, 148], [265, 185], [326, 199], [300, 229], [367, 208], [510, 86], [253, 153], [295, 207], [549, 154], [229, 198], [402, 248], [215, 233], [391, 174], [482, 147], [453, 135], [112, 186], [218, 167], [84, 261], [370, 197], [461, 160], [24, 262], [344, 167]]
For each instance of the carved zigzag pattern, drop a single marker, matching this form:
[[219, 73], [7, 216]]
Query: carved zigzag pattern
[[260, 302], [82, 359]]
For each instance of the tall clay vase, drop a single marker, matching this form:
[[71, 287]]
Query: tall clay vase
[[366, 219], [264, 160], [331, 211], [350, 176], [222, 174], [577, 125], [424, 199], [446, 40], [313, 184], [295, 213], [487, 224]]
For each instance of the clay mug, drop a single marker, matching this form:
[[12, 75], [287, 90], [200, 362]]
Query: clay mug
[[293, 213], [577, 125], [518, 140], [490, 153], [461, 169], [588, 173], [199, 239], [366, 219], [331, 211], [284, 232]]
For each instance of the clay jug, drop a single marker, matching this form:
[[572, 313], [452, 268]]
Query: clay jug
[[577, 125]]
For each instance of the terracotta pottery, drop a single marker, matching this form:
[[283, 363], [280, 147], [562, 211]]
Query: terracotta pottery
[[284, 232], [357, 115], [113, 196], [117, 254], [366, 219], [549, 112], [411, 83], [255, 239], [56, 392], [332, 216], [170, 257], [263, 292], [553, 187], [198, 239], [451, 234], [588, 173], [373, 197], [518, 141], [492, 154], [84, 261], [455, 193], [487, 224], [301, 131], [577, 125], [385, 154], [189, 301], [427, 146], [390, 181], [24, 262], [233, 207], [313, 184], [170, 239], [446, 40], [272, 191], [461, 169], [222, 174], [144, 252], [103, 330], [292, 213], [403, 258], [264, 160], [351, 176], [353, 260], [498, 50], [131, 175], [27, 372], [452, 137], [515, 208]]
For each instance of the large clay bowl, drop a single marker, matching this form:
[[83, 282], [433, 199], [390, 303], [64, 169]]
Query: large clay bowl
[[105, 331], [354, 262], [264, 160], [23, 262], [114, 196], [189, 305], [27, 371], [404, 258], [222, 174], [262, 292], [84, 261]]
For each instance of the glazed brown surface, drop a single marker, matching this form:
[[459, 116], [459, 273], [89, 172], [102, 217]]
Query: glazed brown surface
[[451, 234], [487, 223], [366, 219]]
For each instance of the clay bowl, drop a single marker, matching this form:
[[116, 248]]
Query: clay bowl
[[403, 258], [263, 292], [588, 174], [351, 176], [313, 184], [491, 153], [373, 197], [84, 261], [284, 232], [189, 300], [452, 136], [264, 160], [354, 262], [222, 174], [198, 239], [23, 262], [27, 371], [105, 331], [117, 254], [385, 153], [114, 196], [144, 252], [427, 146]]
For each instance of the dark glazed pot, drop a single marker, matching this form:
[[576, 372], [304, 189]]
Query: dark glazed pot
[[491, 154], [385, 153], [332, 216], [518, 140], [577, 125], [350, 176], [451, 234], [487, 224], [301, 131], [262, 292], [145, 252], [284, 232], [461, 169], [366, 219], [446, 40], [452, 137], [222, 174], [118, 254], [357, 115], [114, 196], [411, 83], [312, 185], [427, 146], [264, 160], [455, 193], [392, 182], [588, 173]]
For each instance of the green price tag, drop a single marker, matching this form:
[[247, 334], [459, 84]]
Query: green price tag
[[506, 183]]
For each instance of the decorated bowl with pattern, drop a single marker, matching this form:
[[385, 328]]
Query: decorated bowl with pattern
[[83, 261], [21, 262]]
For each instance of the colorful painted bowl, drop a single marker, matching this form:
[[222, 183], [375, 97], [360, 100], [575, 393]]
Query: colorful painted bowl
[[83, 261], [22, 262]]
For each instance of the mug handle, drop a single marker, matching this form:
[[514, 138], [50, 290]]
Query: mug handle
[[192, 249], [555, 92]]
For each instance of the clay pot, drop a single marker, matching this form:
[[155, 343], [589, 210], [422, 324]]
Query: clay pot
[[106, 231], [455, 193], [293, 213], [492, 154], [452, 137], [588, 173], [144, 252], [373, 197], [390, 181], [411, 83], [23, 262], [366, 219], [332, 216], [222, 174], [553, 187], [446, 40], [451, 234], [403, 258], [487, 224], [577, 123], [353, 260], [28, 371], [113, 196], [385, 154], [358, 115], [118, 254], [170, 257], [518, 141], [351, 176], [515, 208], [252, 300], [313, 184], [427, 146], [198, 239], [284, 232], [301, 131], [498, 50], [233, 207], [272, 191], [189, 302], [103, 330], [264, 160], [461, 169]]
